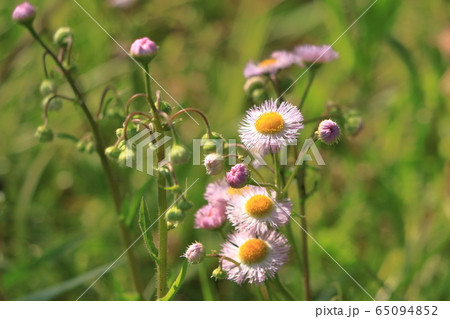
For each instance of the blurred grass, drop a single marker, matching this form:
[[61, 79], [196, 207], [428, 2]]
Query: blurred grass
[[383, 203]]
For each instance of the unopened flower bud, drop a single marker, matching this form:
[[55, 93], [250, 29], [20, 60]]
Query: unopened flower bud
[[195, 253], [353, 123], [219, 274], [54, 103], [124, 156], [214, 164], [174, 214], [47, 87], [259, 96], [179, 154], [253, 83], [62, 36], [165, 107], [119, 132], [328, 132], [185, 205], [143, 50], [238, 176], [81, 146], [112, 152], [210, 143], [90, 147], [24, 13], [44, 134]]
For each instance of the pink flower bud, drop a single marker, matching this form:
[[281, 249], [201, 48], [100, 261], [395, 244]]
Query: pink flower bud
[[328, 131], [195, 253], [238, 176], [211, 216], [24, 13], [143, 49]]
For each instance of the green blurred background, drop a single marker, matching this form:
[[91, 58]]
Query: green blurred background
[[383, 206]]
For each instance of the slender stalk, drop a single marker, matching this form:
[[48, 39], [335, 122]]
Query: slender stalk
[[114, 186], [302, 195], [312, 74], [283, 289], [162, 198], [279, 181]]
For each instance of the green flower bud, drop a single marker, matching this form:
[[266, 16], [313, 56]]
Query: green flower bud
[[172, 225], [62, 36], [219, 274], [185, 205], [174, 214], [122, 146], [179, 154], [208, 144], [254, 83], [54, 104], [165, 107], [47, 87], [90, 147], [353, 123], [81, 146], [124, 155], [259, 96], [44, 134], [112, 152], [119, 132]]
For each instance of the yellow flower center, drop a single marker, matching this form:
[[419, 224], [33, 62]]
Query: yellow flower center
[[253, 251], [269, 123], [267, 62], [259, 206]]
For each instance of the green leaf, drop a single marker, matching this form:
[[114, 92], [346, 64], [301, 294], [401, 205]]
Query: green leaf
[[144, 225], [130, 207], [176, 284]]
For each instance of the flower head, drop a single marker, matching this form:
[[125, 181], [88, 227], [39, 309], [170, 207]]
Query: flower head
[[143, 49], [259, 256], [256, 210], [217, 192], [238, 176], [210, 216], [278, 60], [315, 54], [195, 253], [214, 163], [24, 13], [328, 132], [269, 127]]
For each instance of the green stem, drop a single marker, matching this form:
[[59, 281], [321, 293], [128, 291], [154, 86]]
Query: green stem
[[312, 74], [283, 289], [104, 161], [302, 195], [162, 197], [279, 182]]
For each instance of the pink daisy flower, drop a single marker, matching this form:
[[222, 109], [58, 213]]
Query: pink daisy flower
[[210, 217], [219, 192], [315, 54], [259, 256], [328, 132], [256, 210], [278, 60], [270, 127]]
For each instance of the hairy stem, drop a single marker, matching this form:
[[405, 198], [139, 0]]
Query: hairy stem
[[114, 186]]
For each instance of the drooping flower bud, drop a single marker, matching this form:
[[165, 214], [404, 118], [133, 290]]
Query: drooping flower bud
[[81, 146], [125, 155], [195, 253], [44, 134], [179, 154], [328, 132], [143, 50], [62, 36], [254, 83], [219, 274], [174, 214], [54, 103], [214, 164], [185, 205], [259, 96], [165, 107], [353, 123], [47, 87], [90, 147], [238, 176], [210, 143], [112, 152], [24, 13]]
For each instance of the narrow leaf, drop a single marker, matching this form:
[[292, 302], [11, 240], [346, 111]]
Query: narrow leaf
[[176, 284], [147, 234]]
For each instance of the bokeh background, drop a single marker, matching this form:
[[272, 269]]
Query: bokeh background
[[382, 209]]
